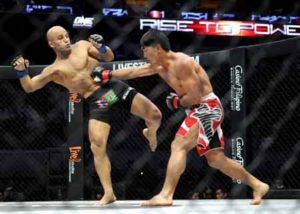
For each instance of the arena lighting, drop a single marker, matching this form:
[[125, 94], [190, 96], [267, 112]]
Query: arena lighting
[[273, 18], [221, 28], [232, 16], [119, 12], [30, 8], [206, 16], [156, 14], [194, 16]]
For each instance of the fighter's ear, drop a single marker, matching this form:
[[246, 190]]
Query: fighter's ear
[[50, 44], [158, 47]]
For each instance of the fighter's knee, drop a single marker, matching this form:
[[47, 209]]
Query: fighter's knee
[[156, 114], [213, 163], [97, 144], [215, 159]]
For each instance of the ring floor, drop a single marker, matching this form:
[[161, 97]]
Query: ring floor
[[270, 206]]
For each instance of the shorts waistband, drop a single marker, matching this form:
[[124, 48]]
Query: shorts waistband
[[91, 96], [209, 95]]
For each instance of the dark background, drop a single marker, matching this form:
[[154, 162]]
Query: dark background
[[25, 33]]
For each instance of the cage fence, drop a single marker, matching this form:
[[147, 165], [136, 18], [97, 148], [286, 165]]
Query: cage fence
[[34, 150]]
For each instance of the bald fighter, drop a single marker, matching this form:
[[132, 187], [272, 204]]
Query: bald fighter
[[76, 68]]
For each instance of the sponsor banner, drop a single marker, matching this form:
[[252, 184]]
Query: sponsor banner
[[135, 63], [75, 143], [41, 8], [127, 64], [237, 114], [221, 28], [73, 99], [238, 152], [187, 15], [117, 12], [236, 87], [74, 158]]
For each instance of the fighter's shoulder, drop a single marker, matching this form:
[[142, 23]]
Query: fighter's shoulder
[[50, 69], [154, 68], [184, 59], [82, 43]]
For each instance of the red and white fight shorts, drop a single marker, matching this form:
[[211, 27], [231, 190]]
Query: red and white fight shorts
[[209, 114]]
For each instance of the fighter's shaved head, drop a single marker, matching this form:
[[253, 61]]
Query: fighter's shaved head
[[53, 31]]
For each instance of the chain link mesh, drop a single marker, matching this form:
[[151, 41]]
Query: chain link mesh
[[273, 116], [33, 150]]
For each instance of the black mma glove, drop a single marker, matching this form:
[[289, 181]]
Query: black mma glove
[[172, 101], [98, 39], [20, 65], [100, 74]]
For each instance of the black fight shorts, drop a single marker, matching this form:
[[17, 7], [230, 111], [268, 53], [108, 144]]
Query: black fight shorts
[[110, 98]]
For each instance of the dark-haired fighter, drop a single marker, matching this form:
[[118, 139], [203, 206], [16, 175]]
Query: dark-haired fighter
[[203, 122]]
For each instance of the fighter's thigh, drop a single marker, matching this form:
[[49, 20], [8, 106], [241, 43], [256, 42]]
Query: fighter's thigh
[[141, 106], [98, 131], [189, 140]]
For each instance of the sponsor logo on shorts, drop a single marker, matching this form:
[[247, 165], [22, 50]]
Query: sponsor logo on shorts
[[126, 93], [107, 99], [110, 97], [74, 98]]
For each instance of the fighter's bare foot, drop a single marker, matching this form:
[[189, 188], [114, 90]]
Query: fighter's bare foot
[[106, 199], [151, 138], [259, 192], [158, 200]]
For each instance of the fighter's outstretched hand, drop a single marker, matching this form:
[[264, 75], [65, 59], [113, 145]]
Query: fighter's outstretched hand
[[100, 74], [19, 63], [98, 42]]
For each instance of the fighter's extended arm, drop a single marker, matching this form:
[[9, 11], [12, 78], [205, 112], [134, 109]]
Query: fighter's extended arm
[[134, 72], [29, 84], [100, 74]]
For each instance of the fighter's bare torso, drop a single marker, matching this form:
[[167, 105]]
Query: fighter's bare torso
[[182, 69], [73, 72]]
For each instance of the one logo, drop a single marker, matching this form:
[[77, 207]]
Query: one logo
[[74, 98], [74, 153], [83, 22]]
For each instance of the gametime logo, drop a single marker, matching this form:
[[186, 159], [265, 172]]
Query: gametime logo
[[221, 28]]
